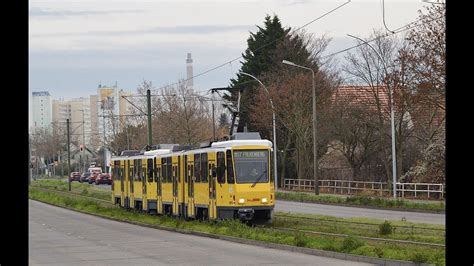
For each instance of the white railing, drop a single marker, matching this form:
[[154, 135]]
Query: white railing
[[354, 187], [417, 188]]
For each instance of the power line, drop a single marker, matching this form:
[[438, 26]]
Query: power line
[[396, 31], [259, 48], [383, 17]]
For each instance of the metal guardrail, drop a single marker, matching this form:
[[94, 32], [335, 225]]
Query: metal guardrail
[[413, 190]]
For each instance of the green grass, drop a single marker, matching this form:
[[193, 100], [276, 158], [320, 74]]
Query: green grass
[[234, 228], [360, 201], [428, 233], [83, 189]]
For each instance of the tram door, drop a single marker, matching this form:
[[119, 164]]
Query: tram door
[[212, 185], [191, 179], [127, 184], [131, 177], [122, 187], [184, 187], [175, 175], [144, 172], [159, 176]]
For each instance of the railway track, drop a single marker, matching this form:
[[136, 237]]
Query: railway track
[[387, 240], [311, 219], [75, 194]]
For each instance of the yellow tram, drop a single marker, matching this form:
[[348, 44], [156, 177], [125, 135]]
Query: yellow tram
[[222, 180]]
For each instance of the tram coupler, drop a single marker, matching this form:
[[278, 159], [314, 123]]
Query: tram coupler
[[246, 214]]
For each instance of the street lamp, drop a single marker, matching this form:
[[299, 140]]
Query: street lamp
[[315, 149], [394, 157], [274, 131]]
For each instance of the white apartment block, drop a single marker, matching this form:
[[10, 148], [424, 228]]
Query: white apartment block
[[41, 109], [112, 110], [88, 116], [81, 120], [79, 114]]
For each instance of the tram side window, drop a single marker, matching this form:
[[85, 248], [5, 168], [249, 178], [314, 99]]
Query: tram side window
[[155, 170], [135, 170], [220, 171], [140, 172], [131, 173], [150, 170], [230, 168], [272, 174], [197, 167], [204, 170], [186, 167], [170, 169], [163, 170]]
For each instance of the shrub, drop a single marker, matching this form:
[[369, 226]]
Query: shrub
[[385, 228], [301, 240], [351, 243]]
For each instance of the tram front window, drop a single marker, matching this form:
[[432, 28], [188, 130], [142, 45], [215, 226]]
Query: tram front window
[[251, 166]]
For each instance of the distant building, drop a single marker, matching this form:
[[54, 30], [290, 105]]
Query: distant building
[[95, 138], [79, 114], [125, 108], [81, 120], [111, 110], [41, 109]]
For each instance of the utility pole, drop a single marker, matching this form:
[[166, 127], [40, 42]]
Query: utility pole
[[148, 101], [68, 156], [213, 120], [83, 142], [103, 127]]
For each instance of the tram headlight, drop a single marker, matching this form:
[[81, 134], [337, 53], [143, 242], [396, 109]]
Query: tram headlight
[[241, 201], [264, 200]]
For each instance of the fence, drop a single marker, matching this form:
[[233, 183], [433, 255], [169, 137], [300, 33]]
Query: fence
[[408, 190]]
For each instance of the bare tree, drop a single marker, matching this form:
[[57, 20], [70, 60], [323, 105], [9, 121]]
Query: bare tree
[[380, 72]]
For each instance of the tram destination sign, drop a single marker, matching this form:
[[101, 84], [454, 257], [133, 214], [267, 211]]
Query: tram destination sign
[[250, 154]]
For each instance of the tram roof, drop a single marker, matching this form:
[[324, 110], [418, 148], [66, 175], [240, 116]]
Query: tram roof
[[221, 145]]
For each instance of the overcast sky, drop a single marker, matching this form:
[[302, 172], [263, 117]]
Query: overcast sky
[[74, 45]]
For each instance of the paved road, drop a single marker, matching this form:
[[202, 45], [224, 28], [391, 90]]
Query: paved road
[[62, 237], [346, 212]]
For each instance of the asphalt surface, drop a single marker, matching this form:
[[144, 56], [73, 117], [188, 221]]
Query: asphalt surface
[[348, 212], [62, 237]]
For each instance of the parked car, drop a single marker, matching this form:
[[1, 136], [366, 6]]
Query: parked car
[[95, 172], [85, 177], [103, 179], [75, 176]]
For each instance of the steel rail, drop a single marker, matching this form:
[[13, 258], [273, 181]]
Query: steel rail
[[72, 193], [357, 223], [362, 237]]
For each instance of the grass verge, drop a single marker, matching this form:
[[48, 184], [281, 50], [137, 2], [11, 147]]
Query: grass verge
[[361, 201], [233, 228]]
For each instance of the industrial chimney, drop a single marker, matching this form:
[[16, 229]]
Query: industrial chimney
[[189, 70]]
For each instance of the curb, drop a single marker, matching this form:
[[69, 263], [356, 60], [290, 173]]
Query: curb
[[366, 207], [309, 251]]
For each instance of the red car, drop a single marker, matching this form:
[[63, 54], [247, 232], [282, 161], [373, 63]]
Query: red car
[[103, 179], [75, 176]]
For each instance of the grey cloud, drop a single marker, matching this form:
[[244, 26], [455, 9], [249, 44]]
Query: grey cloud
[[185, 29], [40, 12]]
